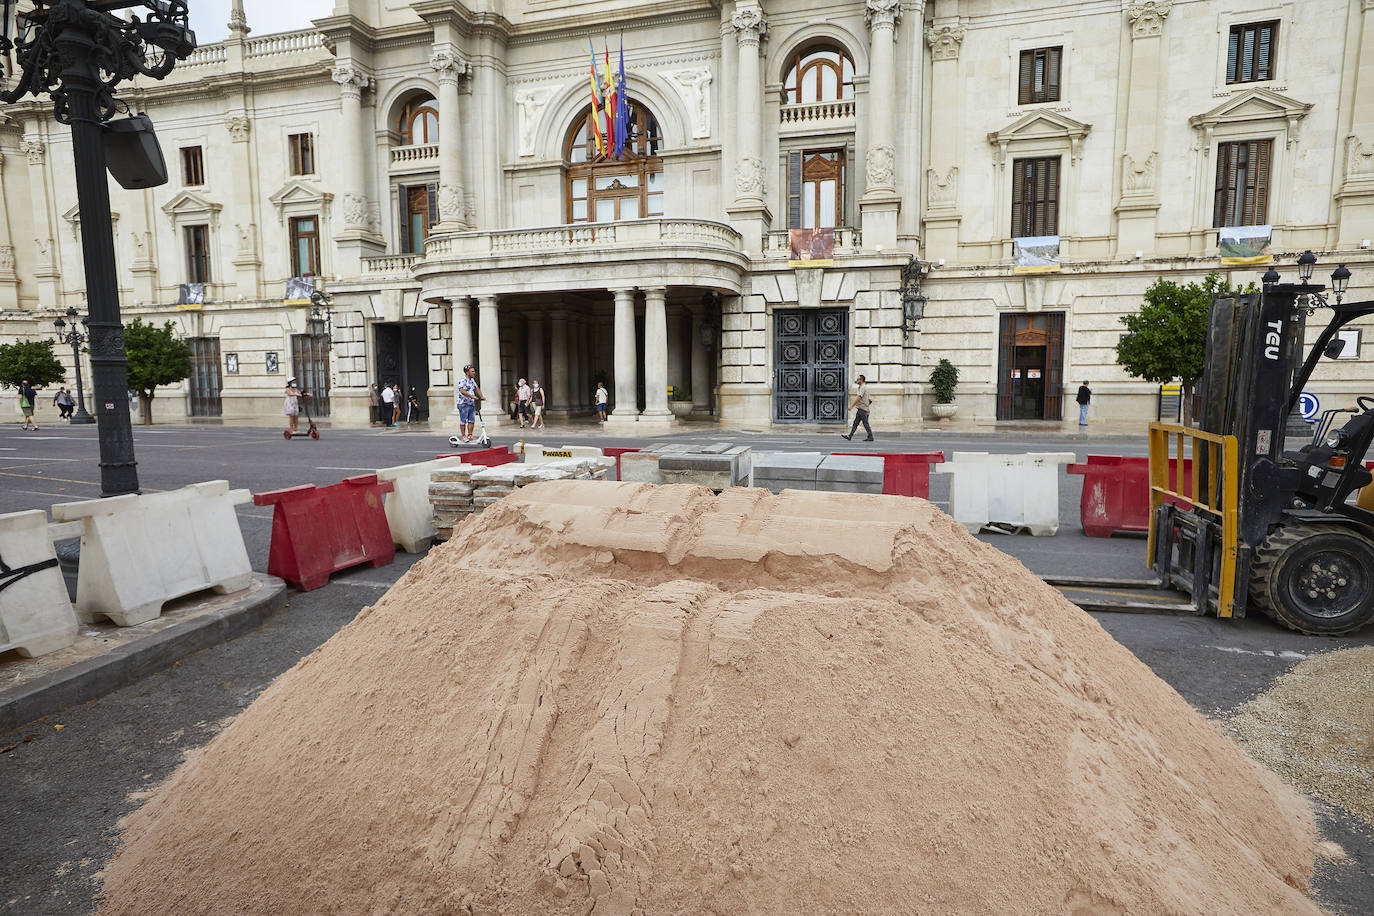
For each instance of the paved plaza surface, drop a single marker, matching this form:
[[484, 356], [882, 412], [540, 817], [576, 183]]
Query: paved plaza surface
[[67, 788]]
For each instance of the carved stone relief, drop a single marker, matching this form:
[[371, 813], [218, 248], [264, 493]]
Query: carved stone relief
[[880, 166], [238, 127], [882, 13], [530, 105], [942, 191], [7, 260], [351, 79], [749, 177], [1138, 178], [33, 148], [945, 41], [694, 86], [1147, 18], [1359, 159]]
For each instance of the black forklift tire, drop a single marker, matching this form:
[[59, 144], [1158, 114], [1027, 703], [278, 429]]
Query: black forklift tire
[[1316, 579]]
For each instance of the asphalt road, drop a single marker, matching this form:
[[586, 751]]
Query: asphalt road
[[63, 792]]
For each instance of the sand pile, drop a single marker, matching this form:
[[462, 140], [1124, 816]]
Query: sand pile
[[620, 699], [1316, 727]]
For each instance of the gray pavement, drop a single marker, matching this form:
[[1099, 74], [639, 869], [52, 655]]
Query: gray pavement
[[63, 791]]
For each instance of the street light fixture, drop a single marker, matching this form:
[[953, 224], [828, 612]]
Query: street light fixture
[[320, 322], [1271, 276], [1306, 262], [1340, 282], [913, 301], [76, 338], [77, 52]]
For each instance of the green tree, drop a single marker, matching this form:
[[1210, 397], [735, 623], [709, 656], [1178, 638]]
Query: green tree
[[157, 356], [30, 360], [1167, 338]]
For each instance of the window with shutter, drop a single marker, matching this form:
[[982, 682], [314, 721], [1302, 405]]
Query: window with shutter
[[1035, 197], [1038, 77], [1250, 52], [794, 189], [404, 221], [1242, 189]]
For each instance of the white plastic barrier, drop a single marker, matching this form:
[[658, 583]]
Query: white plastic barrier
[[36, 616], [1017, 490], [139, 552], [408, 510], [543, 454]]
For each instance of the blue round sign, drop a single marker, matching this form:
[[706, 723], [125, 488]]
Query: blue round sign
[[1309, 405]]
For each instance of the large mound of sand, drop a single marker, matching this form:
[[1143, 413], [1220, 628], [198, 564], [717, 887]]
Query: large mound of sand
[[615, 698]]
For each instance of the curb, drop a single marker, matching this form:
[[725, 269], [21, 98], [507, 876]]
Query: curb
[[120, 667]]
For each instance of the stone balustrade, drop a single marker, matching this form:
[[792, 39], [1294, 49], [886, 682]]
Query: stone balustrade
[[391, 265], [205, 55], [629, 234], [405, 155], [812, 113], [848, 241], [284, 43]]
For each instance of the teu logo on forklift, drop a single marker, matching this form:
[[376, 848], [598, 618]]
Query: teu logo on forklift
[[1272, 340]]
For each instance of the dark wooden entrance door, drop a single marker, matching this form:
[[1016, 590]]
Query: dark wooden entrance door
[[205, 382], [1030, 367], [310, 366], [810, 365]]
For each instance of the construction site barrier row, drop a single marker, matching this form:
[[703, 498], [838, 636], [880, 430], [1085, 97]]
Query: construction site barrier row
[[317, 531], [1020, 492], [139, 551]]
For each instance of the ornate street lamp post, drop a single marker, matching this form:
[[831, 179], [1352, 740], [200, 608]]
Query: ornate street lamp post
[[76, 338], [77, 52]]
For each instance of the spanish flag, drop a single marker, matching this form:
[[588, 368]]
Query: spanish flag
[[596, 105]]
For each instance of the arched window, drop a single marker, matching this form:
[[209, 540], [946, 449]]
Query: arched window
[[418, 122], [601, 188], [818, 74]]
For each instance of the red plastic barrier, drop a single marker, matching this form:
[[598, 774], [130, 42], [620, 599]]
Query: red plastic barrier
[[1116, 493], [487, 457], [616, 453], [317, 531], [906, 473]]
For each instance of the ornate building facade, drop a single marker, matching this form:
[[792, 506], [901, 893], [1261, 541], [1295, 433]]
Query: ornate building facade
[[433, 165]]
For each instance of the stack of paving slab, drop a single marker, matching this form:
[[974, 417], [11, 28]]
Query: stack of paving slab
[[717, 465], [778, 471], [458, 492]]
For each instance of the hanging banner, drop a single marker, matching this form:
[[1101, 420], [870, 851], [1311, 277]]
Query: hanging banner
[[1245, 244], [810, 247], [190, 296], [1035, 255], [298, 290]]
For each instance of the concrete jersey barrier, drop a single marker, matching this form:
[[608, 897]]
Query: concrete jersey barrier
[[1021, 491], [140, 551], [543, 454], [408, 510], [36, 615]]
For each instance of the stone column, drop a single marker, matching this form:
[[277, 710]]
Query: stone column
[[945, 37], [626, 359], [1138, 206], [452, 69], [749, 215], [9, 280], [460, 316], [247, 263], [561, 360], [880, 204], [577, 362], [701, 369], [489, 362], [656, 355], [47, 271], [359, 238]]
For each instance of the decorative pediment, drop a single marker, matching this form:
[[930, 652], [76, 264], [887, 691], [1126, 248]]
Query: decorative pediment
[[296, 196], [1253, 105], [72, 217], [1038, 127], [190, 207]]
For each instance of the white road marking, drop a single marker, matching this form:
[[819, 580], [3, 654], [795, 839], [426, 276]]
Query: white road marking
[[356, 583], [345, 469], [1269, 653], [39, 458]]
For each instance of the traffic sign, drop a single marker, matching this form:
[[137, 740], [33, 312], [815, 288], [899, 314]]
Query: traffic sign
[[1309, 405]]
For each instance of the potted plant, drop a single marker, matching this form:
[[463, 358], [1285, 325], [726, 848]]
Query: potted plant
[[944, 378], [680, 401]]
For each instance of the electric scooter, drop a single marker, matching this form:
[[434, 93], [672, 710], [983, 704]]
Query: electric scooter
[[313, 432], [483, 440]]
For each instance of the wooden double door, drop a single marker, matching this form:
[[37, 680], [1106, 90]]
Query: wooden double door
[[1030, 366]]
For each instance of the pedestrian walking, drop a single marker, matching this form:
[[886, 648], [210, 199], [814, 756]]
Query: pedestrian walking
[[1085, 397], [395, 403], [862, 404], [601, 398], [466, 401], [522, 403], [537, 405], [374, 402], [291, 406], [412, 406], [388, 403], [28, 403], [64, 403]]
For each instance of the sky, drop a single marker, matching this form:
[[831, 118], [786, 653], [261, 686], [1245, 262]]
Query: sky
[[210, 18]]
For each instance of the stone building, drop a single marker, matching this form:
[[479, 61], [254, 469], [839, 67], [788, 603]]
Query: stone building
[[434, 166]]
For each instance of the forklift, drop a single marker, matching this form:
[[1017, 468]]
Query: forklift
[[1239, 521]]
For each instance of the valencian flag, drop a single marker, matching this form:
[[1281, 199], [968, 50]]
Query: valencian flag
[[608, 92], [596, 104]]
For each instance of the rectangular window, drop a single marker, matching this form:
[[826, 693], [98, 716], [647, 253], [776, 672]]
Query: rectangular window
[[419, 211], [192, 167], [815, 189], [197, 254], [1250, 53], [1039, 77], [302, 154], [305, 246], [1242, 194], [1035, 197]]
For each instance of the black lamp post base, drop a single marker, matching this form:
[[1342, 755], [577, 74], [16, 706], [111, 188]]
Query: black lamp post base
[[81, 417]]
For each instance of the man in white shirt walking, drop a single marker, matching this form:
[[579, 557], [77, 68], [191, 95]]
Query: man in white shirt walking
[[388, 404]]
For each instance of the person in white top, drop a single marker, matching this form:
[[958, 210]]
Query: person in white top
[[601, 398], [388, 404]]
